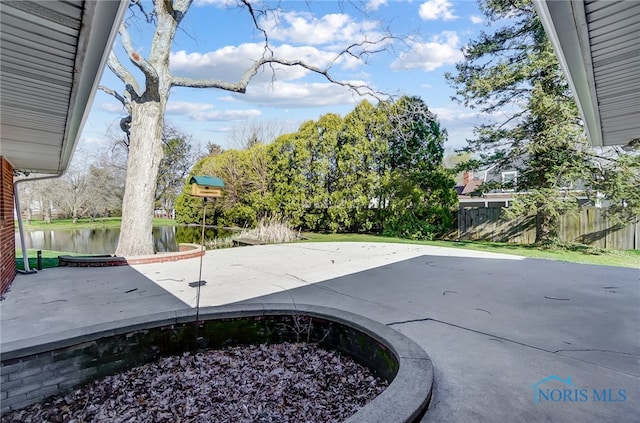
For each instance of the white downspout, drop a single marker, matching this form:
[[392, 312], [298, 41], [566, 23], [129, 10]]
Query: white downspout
[[16, 201]]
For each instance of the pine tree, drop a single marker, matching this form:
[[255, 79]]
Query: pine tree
[[513, 72]]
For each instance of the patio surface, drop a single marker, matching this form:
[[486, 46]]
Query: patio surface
[[494, 325]]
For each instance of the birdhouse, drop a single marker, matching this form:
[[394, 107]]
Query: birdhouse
[[206, 186]]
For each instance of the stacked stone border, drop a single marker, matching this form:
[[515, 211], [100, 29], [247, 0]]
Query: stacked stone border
[[35, 368]]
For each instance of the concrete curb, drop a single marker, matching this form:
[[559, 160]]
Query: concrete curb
[[404, 400]]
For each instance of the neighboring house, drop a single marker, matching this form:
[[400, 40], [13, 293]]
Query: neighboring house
[[471, 194]]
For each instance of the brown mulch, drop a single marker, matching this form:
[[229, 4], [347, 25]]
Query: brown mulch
[[267, 383]]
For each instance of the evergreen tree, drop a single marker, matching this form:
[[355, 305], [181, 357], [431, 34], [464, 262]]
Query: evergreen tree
[[320, 140], [514, 72], [359, 171], [617, 181], [288, 160], [419, 190]]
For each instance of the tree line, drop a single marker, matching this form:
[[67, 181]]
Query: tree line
[[379, 169]]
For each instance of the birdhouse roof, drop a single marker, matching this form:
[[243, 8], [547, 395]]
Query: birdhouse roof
[[209, 181]]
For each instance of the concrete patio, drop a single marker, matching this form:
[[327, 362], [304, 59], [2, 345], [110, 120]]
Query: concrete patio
[[494, 325]]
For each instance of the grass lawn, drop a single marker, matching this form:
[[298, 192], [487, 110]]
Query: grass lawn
[[49, 258], [571, 253], [574, 253]]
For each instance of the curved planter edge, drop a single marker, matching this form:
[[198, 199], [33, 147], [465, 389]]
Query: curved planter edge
[[404, 400]]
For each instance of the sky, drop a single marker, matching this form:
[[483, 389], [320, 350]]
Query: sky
[[218, 40]]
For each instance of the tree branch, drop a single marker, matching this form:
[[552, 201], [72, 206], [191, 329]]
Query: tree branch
[[123, 74], [168, 6], [363, 49], [182, 5], [252, 12], [149, 17], [114, 93], [268, 59], [241, 85], [142, 64]]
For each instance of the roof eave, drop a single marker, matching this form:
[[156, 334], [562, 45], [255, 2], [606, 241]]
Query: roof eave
[[100, 23], [566, 25]]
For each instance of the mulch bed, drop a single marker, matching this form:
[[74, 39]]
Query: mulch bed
[[269, 383]]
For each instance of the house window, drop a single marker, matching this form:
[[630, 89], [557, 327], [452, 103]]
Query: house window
[[566, 185], [509, 180], [479, 174]]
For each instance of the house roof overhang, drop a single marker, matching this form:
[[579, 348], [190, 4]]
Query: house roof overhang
[[598, 46], [52, 56]]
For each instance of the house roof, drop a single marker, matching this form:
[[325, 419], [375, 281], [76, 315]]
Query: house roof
[[598, 46], [52, 54], [208, 181], [471, 186]]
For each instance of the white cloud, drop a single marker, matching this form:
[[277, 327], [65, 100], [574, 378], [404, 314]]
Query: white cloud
[[218, 3], [457, 115], [441, 50], [476, 19], [437, 9], [375, 4], [207, 112], [227, 98], [305, 28], [194, 111]]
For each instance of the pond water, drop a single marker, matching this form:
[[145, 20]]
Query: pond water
[[105, 240]]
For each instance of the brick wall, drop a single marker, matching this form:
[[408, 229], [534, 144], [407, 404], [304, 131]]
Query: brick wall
[[32, 379], [7, 231]]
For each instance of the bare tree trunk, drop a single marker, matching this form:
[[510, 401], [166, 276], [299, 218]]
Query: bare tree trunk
[[145, 153], [47, 211]]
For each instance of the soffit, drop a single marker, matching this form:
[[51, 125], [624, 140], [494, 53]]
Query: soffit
[[52, 54], [598, 45]]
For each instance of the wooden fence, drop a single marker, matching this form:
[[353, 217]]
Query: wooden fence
[[589, 226]]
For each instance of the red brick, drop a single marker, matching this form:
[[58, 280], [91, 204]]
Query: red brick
[[7, 231]]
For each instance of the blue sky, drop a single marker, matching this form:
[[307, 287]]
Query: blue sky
[[218, 40]]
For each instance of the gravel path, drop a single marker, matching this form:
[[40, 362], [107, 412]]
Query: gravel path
[[267, 383]]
